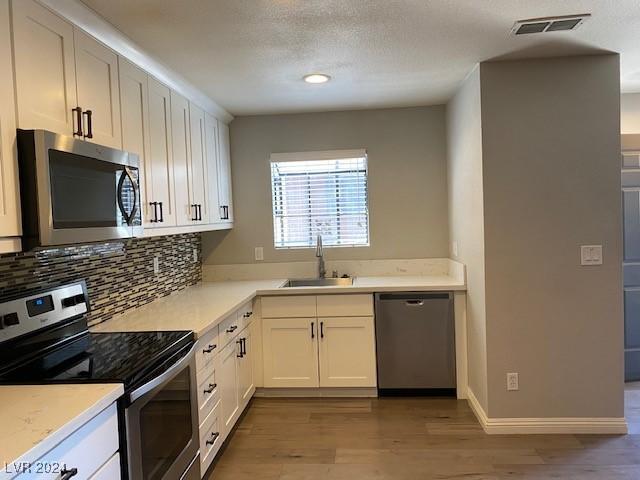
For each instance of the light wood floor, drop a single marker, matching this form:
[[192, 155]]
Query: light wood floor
[[408, 439]]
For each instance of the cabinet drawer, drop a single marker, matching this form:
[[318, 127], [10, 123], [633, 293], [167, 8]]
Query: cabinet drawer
[[211, 438], [208, 347], [110, 470], [208, 395], [229, 328], [86, 449], [245, 315], [289, 307], [345, 305]]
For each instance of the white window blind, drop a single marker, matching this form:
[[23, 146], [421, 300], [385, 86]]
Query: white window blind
[[320, 194]]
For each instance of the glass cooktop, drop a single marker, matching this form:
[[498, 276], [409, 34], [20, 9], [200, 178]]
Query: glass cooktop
[[104, 357]]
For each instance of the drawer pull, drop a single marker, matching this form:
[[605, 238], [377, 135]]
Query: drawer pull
[[247, 315], [209, 349], [67, 474], [212, 387], [214, 437], [232, 328], [239, 342]]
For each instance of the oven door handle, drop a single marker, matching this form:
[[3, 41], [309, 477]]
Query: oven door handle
[[128, 217], [166, 375]]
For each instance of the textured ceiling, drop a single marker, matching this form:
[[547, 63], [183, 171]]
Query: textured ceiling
[[250, 55]]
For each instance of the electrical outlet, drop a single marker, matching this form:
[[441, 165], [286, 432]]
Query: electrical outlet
[[454, 248], [259, 253], [156, 265], [195, 254], [591, 255], [512, 382]]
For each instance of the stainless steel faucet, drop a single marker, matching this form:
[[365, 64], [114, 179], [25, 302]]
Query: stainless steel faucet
[[322, 272]]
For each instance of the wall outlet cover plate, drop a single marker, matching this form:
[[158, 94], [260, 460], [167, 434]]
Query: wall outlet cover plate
[[591, 255]]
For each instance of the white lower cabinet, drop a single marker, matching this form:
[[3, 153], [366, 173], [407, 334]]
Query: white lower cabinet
[[228, 375], [110, 470], [290, 352], [319, 351], [246, 385], [347, 354], [91, 450], [225, 376]]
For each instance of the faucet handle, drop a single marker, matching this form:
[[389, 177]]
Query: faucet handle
[[334, 274], [319, 246]]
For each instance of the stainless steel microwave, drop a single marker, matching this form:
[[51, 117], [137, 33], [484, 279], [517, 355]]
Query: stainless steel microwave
[[74, 191]]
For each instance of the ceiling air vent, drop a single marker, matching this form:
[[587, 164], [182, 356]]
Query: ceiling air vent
[[549, 24]]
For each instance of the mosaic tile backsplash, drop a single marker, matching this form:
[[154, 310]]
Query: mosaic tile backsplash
[[119, 274]]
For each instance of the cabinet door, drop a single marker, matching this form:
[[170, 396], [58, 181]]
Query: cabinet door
[[211, 153], [246, 384], [10, 225], [228, 384], [347, 352], [134, 101], [224, 173], [45, 69], [181, 142], [97, 83], [290, 349], [159, 169], [198, 164]]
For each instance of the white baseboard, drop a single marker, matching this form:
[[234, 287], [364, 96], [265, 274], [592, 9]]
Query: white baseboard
[[316, 392], [513, 426]]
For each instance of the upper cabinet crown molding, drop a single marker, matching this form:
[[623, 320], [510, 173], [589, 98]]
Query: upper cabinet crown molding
[[82, 16]]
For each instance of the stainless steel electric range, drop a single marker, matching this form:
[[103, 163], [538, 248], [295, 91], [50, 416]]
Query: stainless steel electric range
[[44, 338]]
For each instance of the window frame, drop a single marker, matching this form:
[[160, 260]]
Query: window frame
[[319, 156]]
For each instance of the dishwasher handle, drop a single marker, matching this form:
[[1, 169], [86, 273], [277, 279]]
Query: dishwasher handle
[[414, 303]]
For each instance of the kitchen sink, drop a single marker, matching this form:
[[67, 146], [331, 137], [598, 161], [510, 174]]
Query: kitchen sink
[[319, 282]]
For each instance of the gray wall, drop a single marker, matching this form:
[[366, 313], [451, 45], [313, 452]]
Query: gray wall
[[466, 214], [407, 181], [551, 149]]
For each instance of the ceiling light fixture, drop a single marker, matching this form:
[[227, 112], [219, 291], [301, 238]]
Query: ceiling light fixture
[[316, 78]]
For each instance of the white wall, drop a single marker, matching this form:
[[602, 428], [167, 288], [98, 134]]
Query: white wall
[[630, 113], [466, 219], [407, 181]]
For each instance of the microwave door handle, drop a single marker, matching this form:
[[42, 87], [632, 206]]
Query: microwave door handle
[[165, 376], [128, 217]]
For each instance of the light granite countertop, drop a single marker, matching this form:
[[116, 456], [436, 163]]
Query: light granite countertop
[[201, 307], [35, 418]]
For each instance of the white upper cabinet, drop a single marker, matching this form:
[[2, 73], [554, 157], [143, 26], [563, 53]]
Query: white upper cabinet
[[45, 69], [198, 165], [10, 225], [60, 71], [158, 167], [134, 101], [181, 141], [211, 153], [97, 84], [224, 174]]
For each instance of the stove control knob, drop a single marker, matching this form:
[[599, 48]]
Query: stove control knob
[[10, 319], [68, 302]]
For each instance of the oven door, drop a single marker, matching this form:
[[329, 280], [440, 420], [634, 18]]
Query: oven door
[[86, 192], [162, 424]]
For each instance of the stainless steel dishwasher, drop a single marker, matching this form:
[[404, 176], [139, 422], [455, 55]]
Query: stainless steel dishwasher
[[415, 342]]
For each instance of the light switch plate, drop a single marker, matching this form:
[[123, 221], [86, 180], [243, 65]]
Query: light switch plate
[[259, 253], [454, 248], [591, 254], [156, 265]]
